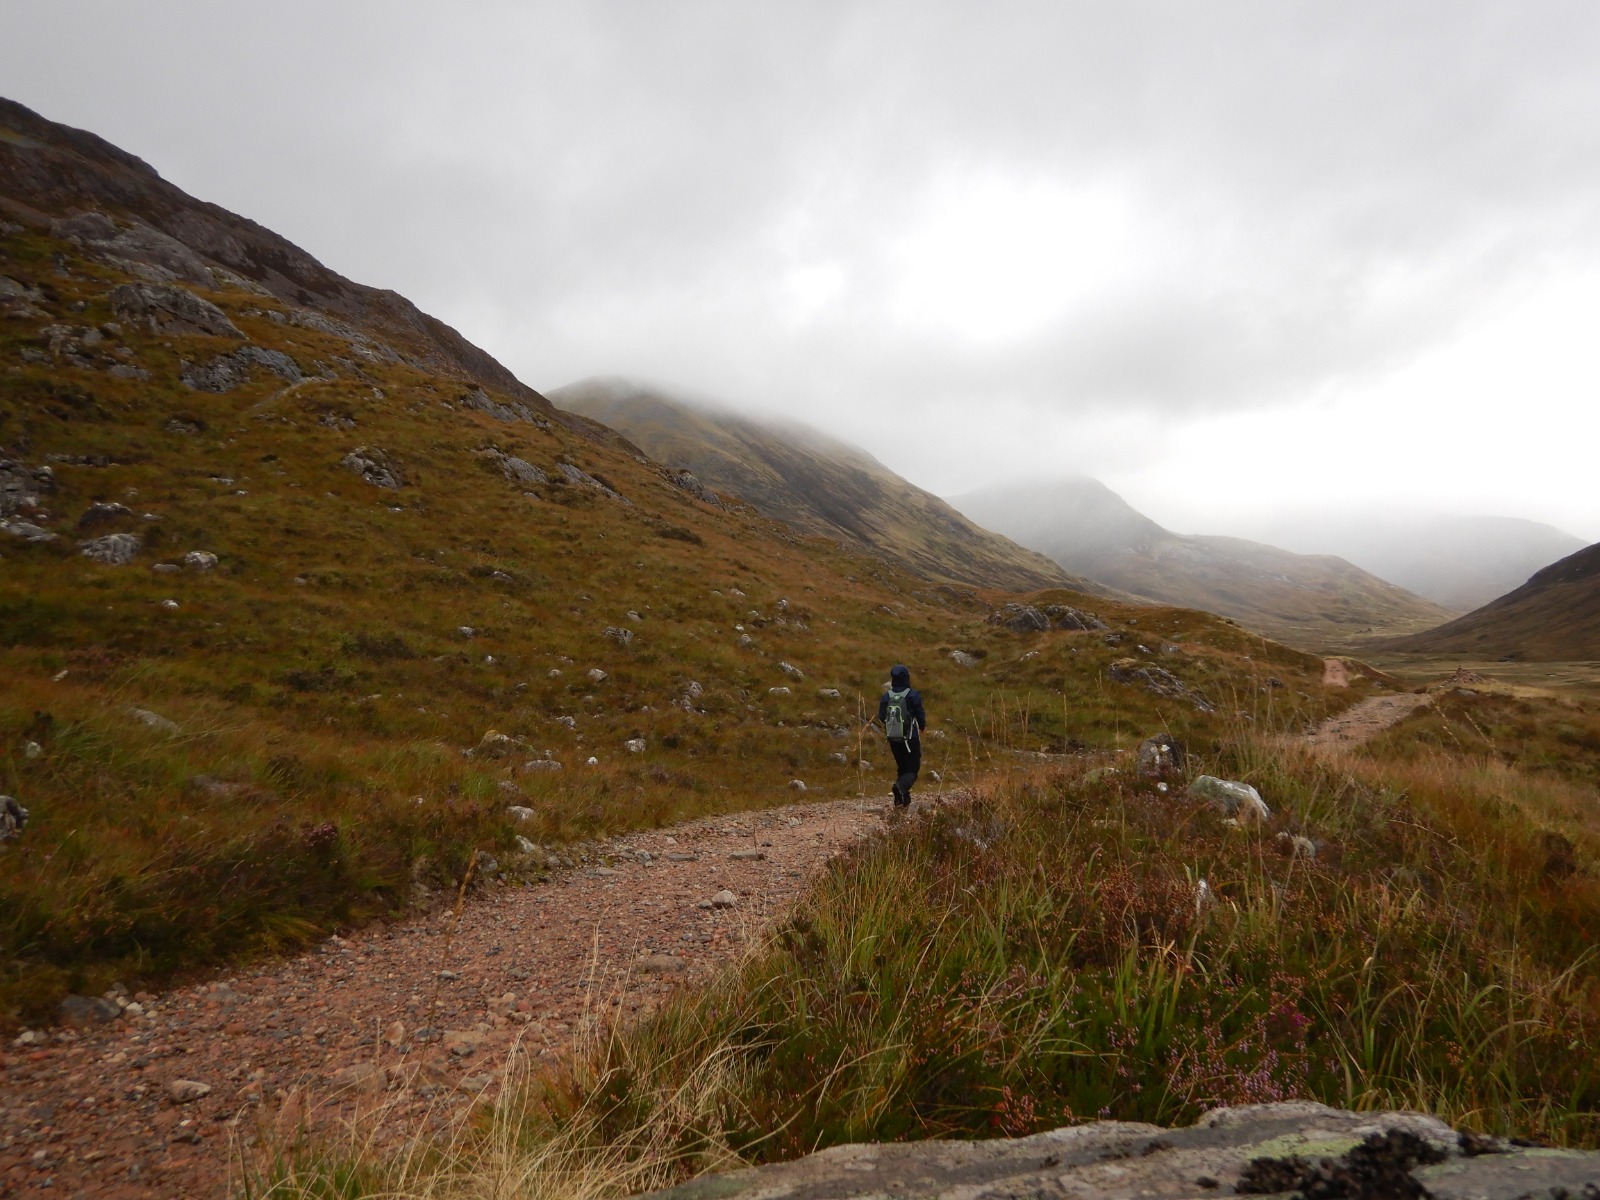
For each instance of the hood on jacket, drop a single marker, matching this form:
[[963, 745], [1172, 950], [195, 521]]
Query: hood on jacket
[[899, 678]]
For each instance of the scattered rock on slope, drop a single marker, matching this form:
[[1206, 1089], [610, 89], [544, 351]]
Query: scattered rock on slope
[[1158, 680], [1161, 757], [115, 549], [375, 466]]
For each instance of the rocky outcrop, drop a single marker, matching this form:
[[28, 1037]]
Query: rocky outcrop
[[480, 400], [55, 171], [1294, 1147], [22, 486], [689, 482], [375, 466], [581, 478], [227, 371], [136, 248], [168, 309], [1026, 618], [1158, 680], [517, 470], [1020, 618]]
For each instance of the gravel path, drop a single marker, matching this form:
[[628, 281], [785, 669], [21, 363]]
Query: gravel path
[[1364, 720], [419, 1016]]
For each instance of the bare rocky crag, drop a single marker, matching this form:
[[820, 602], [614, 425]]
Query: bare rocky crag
[[52, 173], [1263, 1149]]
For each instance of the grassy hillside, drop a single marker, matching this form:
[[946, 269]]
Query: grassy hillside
[[425, 593], [1554, 617], [818, 485], [1308, 600]]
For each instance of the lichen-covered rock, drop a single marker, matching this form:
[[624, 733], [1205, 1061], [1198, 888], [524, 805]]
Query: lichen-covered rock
[[1063, 616], [582, 478], [1161, 757], [167, 308], [1231, 798], [689, 482], [375, 466], [228, 371], [1158, 680], [115, 549], [517, 470], [22, 486], [962, 659], [480, 400], [27, 531], [102, 512], [139, 244], [1295, 1146], [1020, 618]]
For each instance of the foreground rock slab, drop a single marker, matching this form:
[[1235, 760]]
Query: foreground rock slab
[[1260, 1149]]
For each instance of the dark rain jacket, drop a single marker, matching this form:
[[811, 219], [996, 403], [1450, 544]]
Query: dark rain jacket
[[901, 678]]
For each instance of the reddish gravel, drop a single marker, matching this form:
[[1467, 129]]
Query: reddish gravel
[[420, 1015]]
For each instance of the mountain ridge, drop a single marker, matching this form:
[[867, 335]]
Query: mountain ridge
[[1461, 562], [1553, 617], [1310, 599], [816, 483]]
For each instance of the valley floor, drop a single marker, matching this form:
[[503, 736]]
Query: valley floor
[[414, 1022]]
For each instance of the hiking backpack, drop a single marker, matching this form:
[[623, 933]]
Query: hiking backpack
[[896, 723]]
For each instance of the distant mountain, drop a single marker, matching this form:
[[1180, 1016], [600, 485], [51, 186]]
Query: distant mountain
[[1554, 617], [1461, 562], [815, 484], [1306, 599]]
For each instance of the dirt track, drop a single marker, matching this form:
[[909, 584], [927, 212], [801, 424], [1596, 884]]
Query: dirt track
[[1362, 720], [421, 1015]]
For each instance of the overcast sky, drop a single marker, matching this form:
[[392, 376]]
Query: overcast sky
[[1234, 259]]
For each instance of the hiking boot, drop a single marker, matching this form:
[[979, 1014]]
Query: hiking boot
[[899, 796]]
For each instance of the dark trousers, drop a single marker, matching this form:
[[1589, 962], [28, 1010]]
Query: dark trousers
[[908, 761]]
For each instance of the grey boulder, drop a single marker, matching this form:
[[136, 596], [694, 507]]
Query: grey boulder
[[115, 549], [1297, 1146], [88, 1010], [1161, 757], [1231, 798]]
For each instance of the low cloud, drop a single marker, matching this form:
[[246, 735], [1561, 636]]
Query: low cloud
[[1056, 216]]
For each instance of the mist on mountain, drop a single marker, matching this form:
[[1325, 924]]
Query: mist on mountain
[[1457, 560]]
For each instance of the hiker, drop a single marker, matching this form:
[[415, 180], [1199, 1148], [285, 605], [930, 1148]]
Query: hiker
[[901, 714]]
